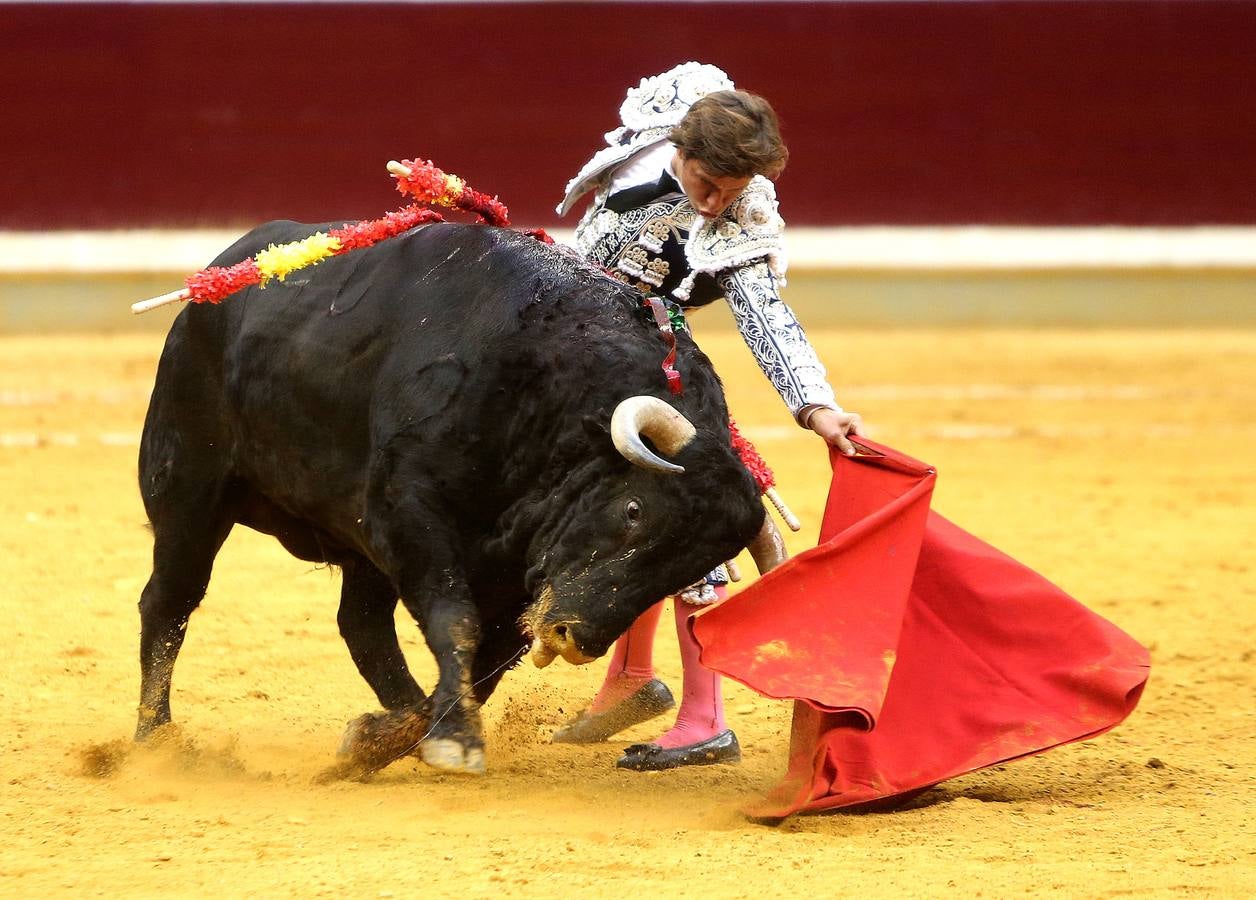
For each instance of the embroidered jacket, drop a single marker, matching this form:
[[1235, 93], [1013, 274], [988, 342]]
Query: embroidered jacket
[[667, 248]]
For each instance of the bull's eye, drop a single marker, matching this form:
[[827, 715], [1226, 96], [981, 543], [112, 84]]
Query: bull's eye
[[632, 511]]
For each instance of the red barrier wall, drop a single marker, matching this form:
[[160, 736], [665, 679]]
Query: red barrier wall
[[901, 113]]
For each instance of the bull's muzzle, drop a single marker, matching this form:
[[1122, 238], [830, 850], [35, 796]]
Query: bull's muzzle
[[553, 641], [550, 639]]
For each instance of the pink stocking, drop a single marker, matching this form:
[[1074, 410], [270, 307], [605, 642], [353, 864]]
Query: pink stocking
[[701, 714], [632, 663]]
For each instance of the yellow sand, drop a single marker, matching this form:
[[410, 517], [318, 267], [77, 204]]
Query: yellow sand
[[1119, 464]]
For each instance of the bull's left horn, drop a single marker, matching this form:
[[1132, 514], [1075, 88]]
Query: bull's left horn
[[656, 419], [768, 547]]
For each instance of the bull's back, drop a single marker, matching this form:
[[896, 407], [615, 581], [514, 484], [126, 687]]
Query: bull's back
[[294, 383]]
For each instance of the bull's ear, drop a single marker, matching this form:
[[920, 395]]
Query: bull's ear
[[597, 428]]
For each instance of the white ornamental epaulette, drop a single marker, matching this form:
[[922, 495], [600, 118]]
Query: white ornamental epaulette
[[649, 113], [750, 229], [603, 161]]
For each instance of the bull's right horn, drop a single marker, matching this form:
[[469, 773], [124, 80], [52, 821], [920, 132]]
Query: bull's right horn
[[656, 419], [768, 547]]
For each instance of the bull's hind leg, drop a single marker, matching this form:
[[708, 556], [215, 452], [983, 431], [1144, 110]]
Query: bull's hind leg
[[184, 480], [184, 548], [367, 601]]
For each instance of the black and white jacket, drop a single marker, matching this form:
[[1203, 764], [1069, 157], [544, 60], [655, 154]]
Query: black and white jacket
[[663, 246]]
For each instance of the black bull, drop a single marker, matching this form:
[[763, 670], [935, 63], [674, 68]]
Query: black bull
[[442, 416]]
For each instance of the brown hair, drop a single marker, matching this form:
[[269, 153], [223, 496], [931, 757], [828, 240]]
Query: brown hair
[[734, 134]]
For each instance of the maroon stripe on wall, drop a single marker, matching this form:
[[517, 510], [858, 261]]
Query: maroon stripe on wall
[[1132, 112]]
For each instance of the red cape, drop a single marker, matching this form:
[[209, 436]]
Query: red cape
[[915, 651]]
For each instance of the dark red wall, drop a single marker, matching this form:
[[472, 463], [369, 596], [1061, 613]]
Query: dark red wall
[[1129, 112]]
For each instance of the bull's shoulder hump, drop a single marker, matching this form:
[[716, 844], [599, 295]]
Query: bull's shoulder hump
[[462, 234], [483, 243]]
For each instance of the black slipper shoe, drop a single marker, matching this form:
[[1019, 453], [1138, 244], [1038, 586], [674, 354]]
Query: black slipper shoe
[[721, 749], [651, 699]]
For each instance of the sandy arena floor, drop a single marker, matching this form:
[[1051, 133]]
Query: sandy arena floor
[[1118, 463]]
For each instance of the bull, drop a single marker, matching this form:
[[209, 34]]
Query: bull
[[462, 418]]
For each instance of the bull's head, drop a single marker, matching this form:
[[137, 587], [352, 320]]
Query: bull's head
[[648, 530]]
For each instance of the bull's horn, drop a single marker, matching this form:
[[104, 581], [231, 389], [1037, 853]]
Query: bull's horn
[[768, 547], [656, 419]]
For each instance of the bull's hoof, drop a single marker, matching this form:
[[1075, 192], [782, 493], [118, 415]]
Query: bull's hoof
[[358, 732], [150, 721], [374, 740], [451, 756], [163, 735]]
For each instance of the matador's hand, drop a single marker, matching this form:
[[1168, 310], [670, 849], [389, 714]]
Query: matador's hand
[[835, 426]]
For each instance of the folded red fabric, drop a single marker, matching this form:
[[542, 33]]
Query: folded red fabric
[[915, 651]]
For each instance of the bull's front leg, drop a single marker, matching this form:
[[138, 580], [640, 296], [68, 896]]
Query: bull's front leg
[[451, 626], [409, 527]]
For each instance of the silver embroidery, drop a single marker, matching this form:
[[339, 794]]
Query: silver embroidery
[[748, 230], [633, 261], [703, 592], [603, 235], [654, 235], [773, 334], [655, 272]]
